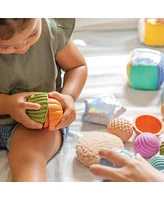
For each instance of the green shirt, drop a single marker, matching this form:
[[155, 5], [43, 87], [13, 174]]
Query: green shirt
[[36, 70]]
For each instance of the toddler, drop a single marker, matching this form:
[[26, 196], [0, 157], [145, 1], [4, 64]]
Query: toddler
[[33, 55]]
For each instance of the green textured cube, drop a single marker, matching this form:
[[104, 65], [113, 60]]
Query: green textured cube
[[145, 69], [144, 77]]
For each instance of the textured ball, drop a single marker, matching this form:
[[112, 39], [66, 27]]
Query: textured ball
[[151, 32], [42, 99], [145, 69], [147, 144], [157, 162], [162, 148], [50, 113], [89, 145], [121, 128], [55, 113]]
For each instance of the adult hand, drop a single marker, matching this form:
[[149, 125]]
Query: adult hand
[[67, 103], [17, 105], [130, 169]]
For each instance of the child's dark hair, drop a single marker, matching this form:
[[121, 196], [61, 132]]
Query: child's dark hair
[[10, 26]]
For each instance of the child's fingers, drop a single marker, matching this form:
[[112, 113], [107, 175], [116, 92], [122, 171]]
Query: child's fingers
[[55, 95], [31, 106], [66, 120], [29, 123]]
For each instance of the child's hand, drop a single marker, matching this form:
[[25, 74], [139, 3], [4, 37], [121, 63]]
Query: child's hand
[[17, 106], [131, 170], [67, 103]]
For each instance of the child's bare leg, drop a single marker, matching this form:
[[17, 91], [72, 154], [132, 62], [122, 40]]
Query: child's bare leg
[[29, 152]]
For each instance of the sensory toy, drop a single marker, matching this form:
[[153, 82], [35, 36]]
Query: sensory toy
[[145, 69], [157, 162], [148, 123], [151, 32], [146, 144], [50, 113], [88, 146], [162, 148], [121, 127]]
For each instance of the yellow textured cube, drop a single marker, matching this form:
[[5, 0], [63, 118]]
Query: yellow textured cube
[[151, 32]]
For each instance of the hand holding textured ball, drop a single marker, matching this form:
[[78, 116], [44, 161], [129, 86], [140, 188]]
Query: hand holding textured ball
[[50, 113]]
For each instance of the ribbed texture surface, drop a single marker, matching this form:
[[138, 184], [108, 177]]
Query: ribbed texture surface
[[157, 162], [42, 99], [162, 148], [147, 144], [55, 113]]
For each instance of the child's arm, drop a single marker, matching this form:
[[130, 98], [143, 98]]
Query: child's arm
[[73, 64], [16, 105]]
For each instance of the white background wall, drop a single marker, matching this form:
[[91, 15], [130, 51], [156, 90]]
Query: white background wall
[[106, 23]]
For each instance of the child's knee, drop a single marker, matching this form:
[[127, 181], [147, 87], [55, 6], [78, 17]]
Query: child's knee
[[28, 159]]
